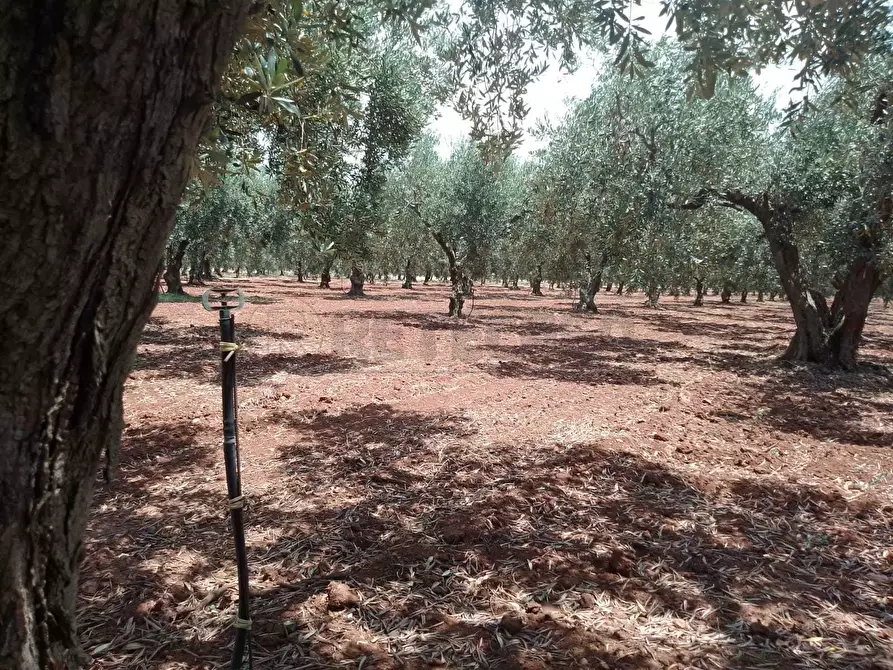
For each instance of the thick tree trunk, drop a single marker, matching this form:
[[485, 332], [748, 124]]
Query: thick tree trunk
[[207, 275], [357, 280], [609, 287], [699, 292], [849, 311], [174, 269], [408, 275], [810, 310], [536, 282], [652, 295], [299, 272], [325, 277], [726, 295], [505, 281], [809, 307], [588, 288], [514, 285], [744, 295], [100, 115], [620, 288], [597, 282], [427, 276], [195, 275]]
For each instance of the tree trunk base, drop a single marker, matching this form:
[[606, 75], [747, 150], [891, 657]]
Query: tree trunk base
[[357, 281]]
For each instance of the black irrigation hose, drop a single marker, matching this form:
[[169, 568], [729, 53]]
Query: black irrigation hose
[[228, 349]]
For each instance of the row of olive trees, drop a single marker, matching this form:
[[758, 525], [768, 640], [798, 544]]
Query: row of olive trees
[[644, 186], [106, 113]]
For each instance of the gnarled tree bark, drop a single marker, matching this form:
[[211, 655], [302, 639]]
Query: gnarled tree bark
[[588, 288], [823, 335], [357, 281], [101, 110]]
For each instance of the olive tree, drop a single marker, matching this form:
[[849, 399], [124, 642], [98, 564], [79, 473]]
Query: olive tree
[[103, 109]]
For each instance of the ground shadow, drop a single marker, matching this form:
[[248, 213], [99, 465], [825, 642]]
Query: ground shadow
[[463, 553], [584, 359]]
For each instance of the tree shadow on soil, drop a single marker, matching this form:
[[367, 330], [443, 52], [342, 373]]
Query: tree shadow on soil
[[601, 556], [154, 537], [827, 405], [584, 359], [679, 322], [176, 352], [605, 556]]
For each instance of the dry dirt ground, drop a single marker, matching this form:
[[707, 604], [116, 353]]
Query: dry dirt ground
[[528, 488]]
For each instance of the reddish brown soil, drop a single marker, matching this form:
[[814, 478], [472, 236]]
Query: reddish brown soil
[[528, 488]]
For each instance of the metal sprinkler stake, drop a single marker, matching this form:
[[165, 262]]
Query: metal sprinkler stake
[[223, 301]]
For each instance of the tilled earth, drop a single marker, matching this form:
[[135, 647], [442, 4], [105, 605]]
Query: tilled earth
[[527, 488]]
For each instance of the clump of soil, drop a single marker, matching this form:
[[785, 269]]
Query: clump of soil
[[341, 596]]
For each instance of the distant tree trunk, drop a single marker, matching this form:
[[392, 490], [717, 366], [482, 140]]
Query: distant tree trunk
[[101, 110], [299, 272], [772, 295], [460, 285], [609, 287], [760, 296], [207, 275], [726, 295], [325, 277], [652, 295], [357, 279], [505, 281], [620, 288], [408, 275], [514, 285], [744, 295], [536, 282], [588, 288], [174, 268], [195, 275], [427, 276], [699, 292]]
